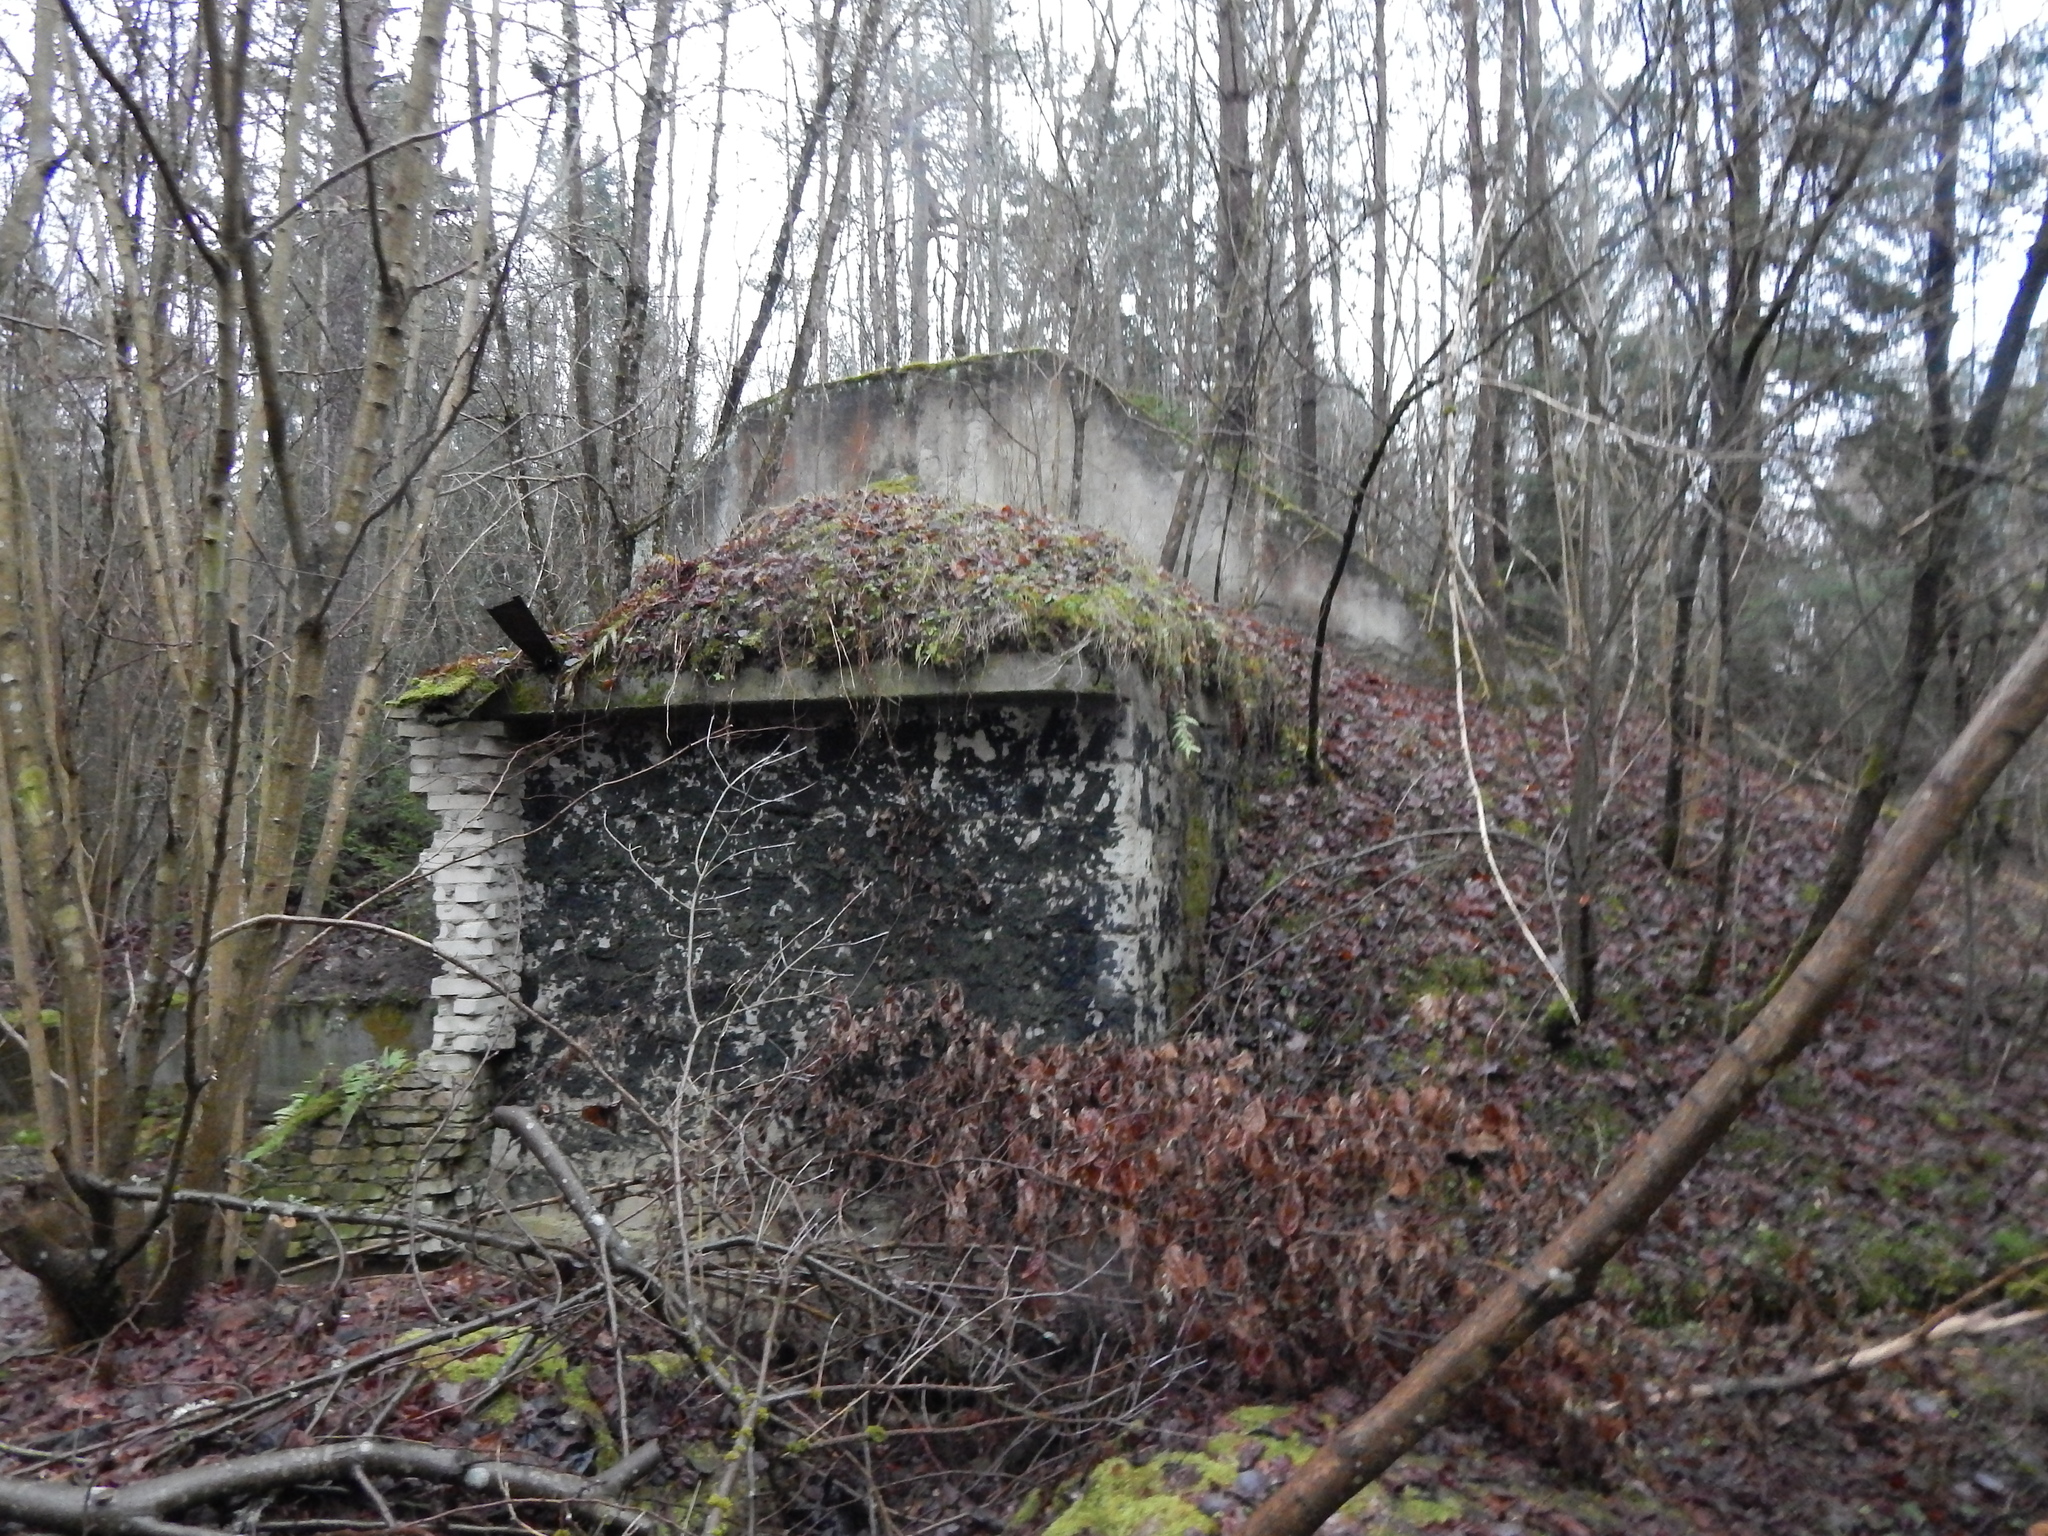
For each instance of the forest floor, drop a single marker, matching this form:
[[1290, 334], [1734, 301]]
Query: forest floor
[[1902, 1162], [1364, 939]]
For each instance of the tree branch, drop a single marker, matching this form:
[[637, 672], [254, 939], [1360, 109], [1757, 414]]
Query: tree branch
[[138, 1509]]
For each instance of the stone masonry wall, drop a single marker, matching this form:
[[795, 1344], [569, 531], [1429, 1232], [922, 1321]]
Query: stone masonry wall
[[685, 890], [705, 888], [417, 1145]]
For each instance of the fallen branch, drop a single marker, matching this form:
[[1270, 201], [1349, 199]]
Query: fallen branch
[[139, 1509], [1955, 1320], [617, 1253], [525, 1124], [1965, 1325], [292, 1210]]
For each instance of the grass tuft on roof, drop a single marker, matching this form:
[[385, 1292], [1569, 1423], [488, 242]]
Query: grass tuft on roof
[[848, 582]]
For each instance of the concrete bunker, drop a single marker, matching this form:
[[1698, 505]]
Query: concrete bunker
[[872, 740], [1033, 429]]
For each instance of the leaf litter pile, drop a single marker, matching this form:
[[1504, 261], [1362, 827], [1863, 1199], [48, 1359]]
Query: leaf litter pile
[[1375, 1104]]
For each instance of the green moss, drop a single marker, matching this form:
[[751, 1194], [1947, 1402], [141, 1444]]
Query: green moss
[[1122, 1499], [469, 1357], [441, 686], [1198, 870], [572, 1384], [1156, 1496], [389, 1025], [1901, 1184], [1259, 1416], [1907, 1269], [894, 485], [1420, 1509], [848, 582], [1160, 412], [484, 1353], [1446, 975], [665, 1363], [388, 828]]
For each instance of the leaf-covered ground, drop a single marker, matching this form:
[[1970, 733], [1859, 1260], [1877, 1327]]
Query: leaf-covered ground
[[1901, 1163]]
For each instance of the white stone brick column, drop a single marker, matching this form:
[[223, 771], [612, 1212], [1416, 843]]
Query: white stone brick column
[[477, 863]]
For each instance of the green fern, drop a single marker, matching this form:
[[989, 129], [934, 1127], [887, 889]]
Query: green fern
[[360, 1082]]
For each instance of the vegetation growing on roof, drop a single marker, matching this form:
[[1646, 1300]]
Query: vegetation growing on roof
[[446, 684], [874, 577]]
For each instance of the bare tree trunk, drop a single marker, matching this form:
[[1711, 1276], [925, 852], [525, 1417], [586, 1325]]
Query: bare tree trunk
[[693, 353], [1237, 264], [1382, 195], [322, 548], [1308, 468], [1735, 484], [1955, 462], [1236, 412], [988, 178], [629, 424], [818, 290], [778, 262], [1681, 717], [60, 1120], [1485, 214], [1566, 1271], [923, 216], [889, 280], [1735, 480], [590, 497], [1570, 510]]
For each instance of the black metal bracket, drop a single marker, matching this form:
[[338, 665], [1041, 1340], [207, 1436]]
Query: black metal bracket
[[525, 631]]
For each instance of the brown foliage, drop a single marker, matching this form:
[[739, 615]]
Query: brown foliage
[[1186, 1193]]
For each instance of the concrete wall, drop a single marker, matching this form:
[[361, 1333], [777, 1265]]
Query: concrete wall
[[694, 889], [1029, 429]]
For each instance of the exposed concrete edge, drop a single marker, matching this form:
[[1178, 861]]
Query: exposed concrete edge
[[1022, 675]]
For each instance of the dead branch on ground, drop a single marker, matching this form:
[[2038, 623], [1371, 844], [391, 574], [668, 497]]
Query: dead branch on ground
[[1964, 1325], [140, 1509]]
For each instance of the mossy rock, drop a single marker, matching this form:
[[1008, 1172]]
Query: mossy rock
[[1159, 1495], [1163, 1494]]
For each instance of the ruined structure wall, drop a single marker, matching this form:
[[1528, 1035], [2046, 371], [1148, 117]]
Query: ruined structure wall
[[417, 1144], [703, 888], [1000, 430], [706, 887], [687, 890], [1028, 429]]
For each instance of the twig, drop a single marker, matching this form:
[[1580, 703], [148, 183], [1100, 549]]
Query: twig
[[370, 1492], [210, 1421], [1964, 1325]]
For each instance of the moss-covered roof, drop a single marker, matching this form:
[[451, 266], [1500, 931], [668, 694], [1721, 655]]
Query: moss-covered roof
[[867, 579]]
